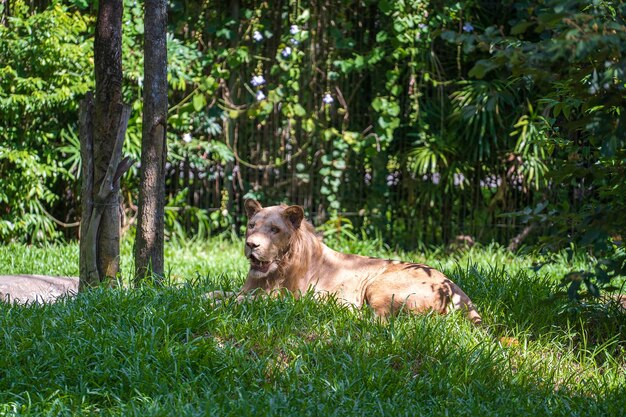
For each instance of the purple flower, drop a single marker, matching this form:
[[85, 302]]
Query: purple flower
[[286, 52], [257, 36], [260, 96], [294, 29], [393, 179], [257, 80], [467, 27], [328, 99]]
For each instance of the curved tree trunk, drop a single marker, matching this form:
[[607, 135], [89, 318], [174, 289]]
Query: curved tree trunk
[[150, 222]]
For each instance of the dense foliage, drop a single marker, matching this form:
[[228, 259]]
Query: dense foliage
[[416, 120], [45, 69]]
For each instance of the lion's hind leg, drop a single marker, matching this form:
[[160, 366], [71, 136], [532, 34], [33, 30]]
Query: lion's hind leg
[[460, 301], [392, 293], [405, 291]]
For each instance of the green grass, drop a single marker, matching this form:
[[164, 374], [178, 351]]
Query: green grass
[[168, 351]]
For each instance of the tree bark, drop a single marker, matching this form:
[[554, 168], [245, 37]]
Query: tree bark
[[86, 190], [149, 258], [94, 204], [103, 122], [107, 113]]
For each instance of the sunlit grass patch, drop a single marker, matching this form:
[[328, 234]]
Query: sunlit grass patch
[[170, 351]]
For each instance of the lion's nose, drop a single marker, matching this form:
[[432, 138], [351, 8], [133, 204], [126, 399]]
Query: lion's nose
[[251, 244]]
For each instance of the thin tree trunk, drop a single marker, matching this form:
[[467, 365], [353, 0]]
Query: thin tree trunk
[[86, 191], [230, 124], [6, 13], [149, 258]]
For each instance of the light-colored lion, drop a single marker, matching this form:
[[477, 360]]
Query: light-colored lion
[[285, 253]]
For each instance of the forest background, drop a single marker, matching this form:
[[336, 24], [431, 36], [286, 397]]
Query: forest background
[[412, 121]]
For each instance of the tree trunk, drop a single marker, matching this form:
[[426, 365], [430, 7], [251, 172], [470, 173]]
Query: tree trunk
[[86, 191], [107, 112], [95, 203], [149, 258], [103, 121]]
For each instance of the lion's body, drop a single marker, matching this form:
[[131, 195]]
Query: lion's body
[[286, 254]]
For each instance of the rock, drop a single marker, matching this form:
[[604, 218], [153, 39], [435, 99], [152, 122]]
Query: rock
[[24, 289]]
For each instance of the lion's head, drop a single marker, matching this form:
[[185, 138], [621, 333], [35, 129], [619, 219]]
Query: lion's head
[[269, 235]]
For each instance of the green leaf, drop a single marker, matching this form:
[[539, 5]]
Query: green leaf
[[304, 16], [592, 288], [449, 36], [339, 164], [378, 103], [520, 27], [572, 290], [299, 110], [481, 68], [385, 6], [199, 102], [393, 109]]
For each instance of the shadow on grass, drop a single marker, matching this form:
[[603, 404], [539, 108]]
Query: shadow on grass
[[168, 351], [532, 304]]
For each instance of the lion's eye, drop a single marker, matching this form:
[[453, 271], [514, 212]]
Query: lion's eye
[[275, 229], [250, 225]]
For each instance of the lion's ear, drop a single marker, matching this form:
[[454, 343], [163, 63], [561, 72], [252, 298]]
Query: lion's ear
[[252, 207], [294, 214]]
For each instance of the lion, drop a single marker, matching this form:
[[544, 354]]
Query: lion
[[285, 254]]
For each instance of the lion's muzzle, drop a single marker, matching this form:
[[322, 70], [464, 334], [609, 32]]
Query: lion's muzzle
[[257, 264]]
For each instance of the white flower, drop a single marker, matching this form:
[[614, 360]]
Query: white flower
[[294, 29], [257, 80], [294, 42], [187, 137], [422, 26], [257, 36], [260, 96], [328, 99], [286, 52]]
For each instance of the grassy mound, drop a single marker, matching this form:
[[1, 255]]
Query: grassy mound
[[169, 351]]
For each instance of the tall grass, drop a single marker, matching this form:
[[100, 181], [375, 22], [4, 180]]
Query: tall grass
[[169, 351]]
